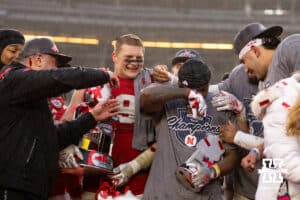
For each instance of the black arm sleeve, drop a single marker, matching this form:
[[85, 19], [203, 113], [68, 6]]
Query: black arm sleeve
[[70, 132], [29, 85]]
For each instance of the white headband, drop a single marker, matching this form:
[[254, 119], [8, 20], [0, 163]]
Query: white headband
[[249, 45]]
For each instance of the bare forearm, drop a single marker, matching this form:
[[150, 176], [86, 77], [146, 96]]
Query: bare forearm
[[76, 99], [230, 161], [152, 99], [242, 122]]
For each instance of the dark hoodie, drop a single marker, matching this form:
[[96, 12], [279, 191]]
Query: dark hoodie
[[7, 37]]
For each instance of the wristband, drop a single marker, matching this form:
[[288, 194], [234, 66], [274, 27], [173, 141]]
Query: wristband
[[256, 151], [216, 171]]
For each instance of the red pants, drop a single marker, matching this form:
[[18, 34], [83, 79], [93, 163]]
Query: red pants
[[66, 182]]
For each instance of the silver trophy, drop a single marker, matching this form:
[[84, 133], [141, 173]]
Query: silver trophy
[[97, 154]]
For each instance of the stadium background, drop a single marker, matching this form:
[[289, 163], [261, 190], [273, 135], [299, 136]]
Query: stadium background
[[184, 21]]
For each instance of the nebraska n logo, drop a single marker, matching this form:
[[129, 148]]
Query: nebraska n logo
[[190, 140]]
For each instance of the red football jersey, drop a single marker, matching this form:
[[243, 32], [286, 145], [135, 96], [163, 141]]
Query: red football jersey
[[122, 150]]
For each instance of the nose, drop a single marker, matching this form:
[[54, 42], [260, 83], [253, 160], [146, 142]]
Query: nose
[[16, 55]]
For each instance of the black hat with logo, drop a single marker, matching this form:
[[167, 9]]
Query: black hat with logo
[[184, 54], [45, 46], [252, 31]]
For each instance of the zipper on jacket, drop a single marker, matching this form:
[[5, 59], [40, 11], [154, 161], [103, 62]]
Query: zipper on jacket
[[31, 151], [29, 158]]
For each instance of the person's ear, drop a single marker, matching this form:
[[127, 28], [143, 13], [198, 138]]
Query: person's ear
[[32, 62], [114, 57], [256, 51]]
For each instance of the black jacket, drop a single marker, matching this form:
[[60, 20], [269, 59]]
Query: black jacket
[[29, 141]]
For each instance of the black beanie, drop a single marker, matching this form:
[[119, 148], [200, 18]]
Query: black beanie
[[194, 74], [9, 36]]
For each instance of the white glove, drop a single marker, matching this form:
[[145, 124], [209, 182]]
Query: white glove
[[67, 157], [226, 101], [197, 103], [125, 172], [197, 171], [194, 174], [200, 174]]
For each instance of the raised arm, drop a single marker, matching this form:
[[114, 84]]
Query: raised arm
[[153, 98], [229, 162], [76, 99], [30, 85]]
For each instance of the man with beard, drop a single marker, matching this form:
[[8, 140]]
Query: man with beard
[[264, 56]]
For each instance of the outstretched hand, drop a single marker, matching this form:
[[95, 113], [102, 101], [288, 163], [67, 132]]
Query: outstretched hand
[[105, 109]]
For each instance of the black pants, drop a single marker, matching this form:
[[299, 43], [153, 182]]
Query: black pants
[[9, 194]]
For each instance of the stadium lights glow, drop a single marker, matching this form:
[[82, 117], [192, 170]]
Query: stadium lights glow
[[274, 12], [153, 44], [182, 45], [72, 40]]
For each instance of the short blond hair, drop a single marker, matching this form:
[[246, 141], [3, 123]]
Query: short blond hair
[[293, 120], [129, 39]]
